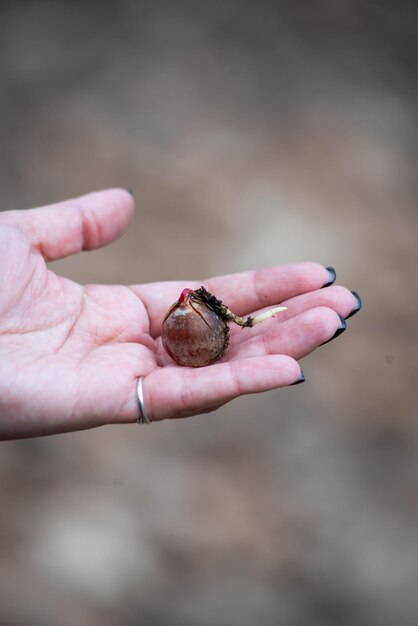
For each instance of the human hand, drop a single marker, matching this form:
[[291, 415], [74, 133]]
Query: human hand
[[71, 355]]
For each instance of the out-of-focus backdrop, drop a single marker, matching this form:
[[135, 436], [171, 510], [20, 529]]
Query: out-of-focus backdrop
[[253, 133]]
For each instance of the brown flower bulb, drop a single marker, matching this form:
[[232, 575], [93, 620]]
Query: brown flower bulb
[[195, 331]]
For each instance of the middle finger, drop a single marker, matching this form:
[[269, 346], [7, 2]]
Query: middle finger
[[337, 298]]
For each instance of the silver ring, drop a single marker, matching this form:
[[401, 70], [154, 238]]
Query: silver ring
[[143, 415]]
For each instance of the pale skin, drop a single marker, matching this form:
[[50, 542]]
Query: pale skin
[[71, 355]]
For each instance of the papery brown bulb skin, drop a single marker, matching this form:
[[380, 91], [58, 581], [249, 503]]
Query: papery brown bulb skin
[[193, 334], [195, 331]]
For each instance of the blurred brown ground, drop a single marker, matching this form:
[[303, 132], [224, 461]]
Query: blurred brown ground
[[252, 134]]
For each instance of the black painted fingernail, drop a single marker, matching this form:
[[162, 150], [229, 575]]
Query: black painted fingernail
[[332, 276], [338, 332], [357, 307], [300, 380]]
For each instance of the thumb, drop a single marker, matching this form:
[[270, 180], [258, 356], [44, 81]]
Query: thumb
[[68, 227]]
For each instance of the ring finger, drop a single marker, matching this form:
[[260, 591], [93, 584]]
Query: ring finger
[[296, 337], [339, 299]]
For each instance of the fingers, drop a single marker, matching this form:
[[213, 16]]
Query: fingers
[[84, 223], [245, 292], [242, 293], [340, 299], [296, 337], [178, 391]]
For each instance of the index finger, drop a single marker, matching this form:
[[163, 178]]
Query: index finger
[[242, 293]]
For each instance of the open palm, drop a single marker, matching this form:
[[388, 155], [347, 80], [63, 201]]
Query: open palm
[[70, 355]]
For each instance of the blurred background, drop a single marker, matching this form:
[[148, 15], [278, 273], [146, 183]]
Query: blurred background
[[252, 133]]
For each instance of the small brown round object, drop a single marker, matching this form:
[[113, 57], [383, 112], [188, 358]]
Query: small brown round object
[[193, 334], [195, 331]]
